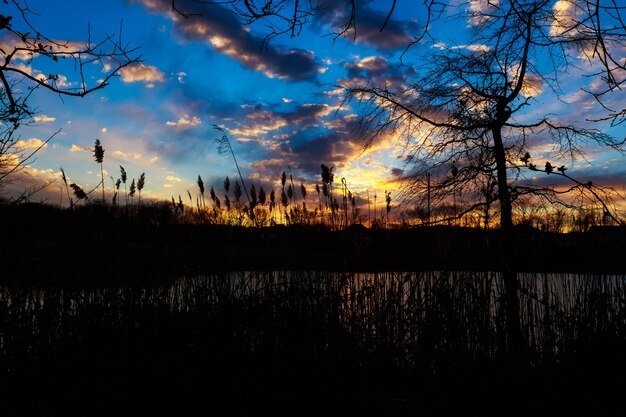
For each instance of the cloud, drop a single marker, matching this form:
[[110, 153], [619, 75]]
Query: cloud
[[29, 70], [397, 34], [181, 77], [124, 155], [185, 122], [142, 73], [565, 20], [221, 29], [532, 86], [477, 47], [479, 11], [27, 179], [61, 81], [259, 123], [42, 118], [378, 71], [332, 148], [305, 149], [474, 47], [76, 148], [10, 41], [32, 143], [172, 178]]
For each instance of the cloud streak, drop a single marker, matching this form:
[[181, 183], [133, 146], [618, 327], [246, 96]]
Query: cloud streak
[[397, 34], [221, 29], [185, 122], [378, 71]]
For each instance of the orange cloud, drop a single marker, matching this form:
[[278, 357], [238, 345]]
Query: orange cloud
[[479, 10], [185, 122], [76, 148], [565, 21], [142, 73], [31, 143], [125, 155], [44, 119], [228, 36]]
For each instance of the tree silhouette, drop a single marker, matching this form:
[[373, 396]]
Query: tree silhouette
[[465, 118]]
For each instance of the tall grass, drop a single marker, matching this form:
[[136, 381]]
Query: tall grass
[[317, 343], [410, 320]]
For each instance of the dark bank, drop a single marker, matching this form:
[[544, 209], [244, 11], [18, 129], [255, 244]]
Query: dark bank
[[98, 244], [117, 315]]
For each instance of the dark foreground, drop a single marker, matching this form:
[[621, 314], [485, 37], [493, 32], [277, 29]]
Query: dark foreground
[[96, 245], [315, 344]]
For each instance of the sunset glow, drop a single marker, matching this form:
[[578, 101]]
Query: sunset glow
[[281, 103]]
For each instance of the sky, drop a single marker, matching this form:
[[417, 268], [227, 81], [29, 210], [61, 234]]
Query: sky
[[279, 105]]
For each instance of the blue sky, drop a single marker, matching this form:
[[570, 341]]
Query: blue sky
[[280, 105]]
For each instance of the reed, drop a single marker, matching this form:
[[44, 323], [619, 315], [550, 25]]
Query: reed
[[98, 154], [373, 336]]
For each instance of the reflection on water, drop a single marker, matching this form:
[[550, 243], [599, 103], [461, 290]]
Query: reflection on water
[[313, 344], [416, 319]]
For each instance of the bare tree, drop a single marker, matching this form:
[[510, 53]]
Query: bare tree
[[465, 119], [21, 46]]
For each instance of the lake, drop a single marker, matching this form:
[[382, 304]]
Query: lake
[[312, 343]]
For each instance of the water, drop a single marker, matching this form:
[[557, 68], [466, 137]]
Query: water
[[268, 343]]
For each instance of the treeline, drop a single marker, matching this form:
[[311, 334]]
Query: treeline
[[97, 243]]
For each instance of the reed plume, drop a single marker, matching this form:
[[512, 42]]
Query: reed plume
[[140, 184], [201, 187], [124, 178], [133, 188], [98, 153], [78, 191]]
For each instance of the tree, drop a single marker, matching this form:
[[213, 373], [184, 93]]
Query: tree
[[22, 45], [465, 119]]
